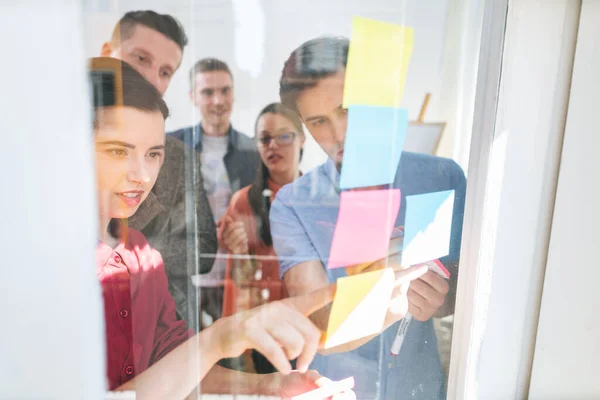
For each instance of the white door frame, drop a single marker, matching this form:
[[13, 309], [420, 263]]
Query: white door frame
[[473, 276], [525, 66], [567, 343]]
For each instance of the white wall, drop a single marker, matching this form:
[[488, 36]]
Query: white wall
[[256, 36], [568, 342], [52, 335]]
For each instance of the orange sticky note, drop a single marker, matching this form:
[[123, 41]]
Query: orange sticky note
[[378, 60], [359, 307]]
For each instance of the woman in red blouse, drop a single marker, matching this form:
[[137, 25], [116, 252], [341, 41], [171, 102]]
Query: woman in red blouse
[[254, 280], [143, 336]]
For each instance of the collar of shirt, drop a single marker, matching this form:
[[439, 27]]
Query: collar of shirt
[[331, 172], [106, 254], [231, 133], [119, 255]]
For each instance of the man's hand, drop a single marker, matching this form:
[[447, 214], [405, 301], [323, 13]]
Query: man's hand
[[405, 277], [427, 295], [280, 330], [422, 297], [399, 303], [235, 238]]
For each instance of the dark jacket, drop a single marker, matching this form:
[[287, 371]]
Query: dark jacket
[[241, 160], [177, 221]]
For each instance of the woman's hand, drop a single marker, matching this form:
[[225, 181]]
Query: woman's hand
[[235, 238], [295, 384], [280, 330]]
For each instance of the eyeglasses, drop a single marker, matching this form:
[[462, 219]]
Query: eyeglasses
[[285, 139]]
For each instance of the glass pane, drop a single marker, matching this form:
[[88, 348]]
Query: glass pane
[[308, 195]]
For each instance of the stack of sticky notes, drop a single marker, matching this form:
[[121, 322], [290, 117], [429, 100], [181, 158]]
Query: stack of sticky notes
[[378, 60], [376, 70]]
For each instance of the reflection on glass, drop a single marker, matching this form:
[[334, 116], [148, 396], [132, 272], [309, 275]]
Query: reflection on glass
[[243, 223]]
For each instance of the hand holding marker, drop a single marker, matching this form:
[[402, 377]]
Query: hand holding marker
[[395, 249], [437, 267]]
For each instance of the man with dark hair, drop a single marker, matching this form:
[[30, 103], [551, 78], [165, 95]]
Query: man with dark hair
[[153, 43], [229, 158], [303, 217], [175, 220]]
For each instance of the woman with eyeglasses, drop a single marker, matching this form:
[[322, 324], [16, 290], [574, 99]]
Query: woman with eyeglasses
[[252, 275]]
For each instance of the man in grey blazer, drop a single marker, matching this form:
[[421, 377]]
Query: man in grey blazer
[[176, 217]]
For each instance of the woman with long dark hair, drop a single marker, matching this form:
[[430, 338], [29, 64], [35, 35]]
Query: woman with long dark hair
[[252, 276]]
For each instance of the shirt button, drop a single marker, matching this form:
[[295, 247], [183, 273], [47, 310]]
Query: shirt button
[[124, 313], [129, 370], [265, 294], [117, 259]]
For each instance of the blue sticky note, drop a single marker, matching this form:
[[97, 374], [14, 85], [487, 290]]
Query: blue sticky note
[[427, 227], [374, 139]]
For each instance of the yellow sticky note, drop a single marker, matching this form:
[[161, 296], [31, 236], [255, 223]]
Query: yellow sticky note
[[359, 307], [378, 61]]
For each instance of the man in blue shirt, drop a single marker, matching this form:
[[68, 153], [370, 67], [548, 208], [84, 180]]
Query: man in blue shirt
[[303, 219]]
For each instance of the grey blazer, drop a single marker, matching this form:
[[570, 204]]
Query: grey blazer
[[177, 221], [242, 158]]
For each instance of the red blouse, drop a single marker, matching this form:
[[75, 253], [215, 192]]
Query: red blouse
[[234, 300], [141, 326]]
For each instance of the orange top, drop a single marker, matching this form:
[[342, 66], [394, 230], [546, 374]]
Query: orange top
[[263, 283]]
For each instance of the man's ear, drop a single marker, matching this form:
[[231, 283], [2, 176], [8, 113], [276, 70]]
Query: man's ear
[[192, 97], [106, 50]]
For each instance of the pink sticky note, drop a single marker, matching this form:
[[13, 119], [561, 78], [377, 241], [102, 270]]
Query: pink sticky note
[[364, 226]]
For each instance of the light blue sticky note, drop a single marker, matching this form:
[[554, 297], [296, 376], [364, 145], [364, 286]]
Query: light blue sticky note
[[374, 139], [427, 227]]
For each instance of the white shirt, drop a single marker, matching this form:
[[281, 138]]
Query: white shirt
[[218, 190]]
